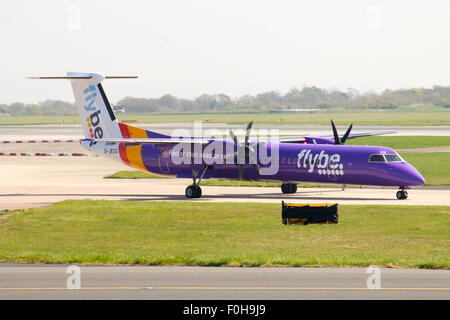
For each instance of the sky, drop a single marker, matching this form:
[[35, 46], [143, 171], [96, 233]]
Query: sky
[[188, 48]]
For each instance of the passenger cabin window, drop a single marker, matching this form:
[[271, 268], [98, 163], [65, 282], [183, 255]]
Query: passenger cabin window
[[377, 158]]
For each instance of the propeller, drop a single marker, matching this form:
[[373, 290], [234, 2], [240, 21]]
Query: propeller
[[336, 135], [248, 149]]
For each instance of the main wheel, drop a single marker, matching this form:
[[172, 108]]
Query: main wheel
[[285, 188], [193, 192]]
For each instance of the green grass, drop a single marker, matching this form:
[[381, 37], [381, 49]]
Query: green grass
[[403, 142], [133, 175], [434, 167], [38, 120], [359, 118], [394, 118], [229, 234]]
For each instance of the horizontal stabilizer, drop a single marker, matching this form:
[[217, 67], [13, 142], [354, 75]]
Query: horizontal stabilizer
[[79, 77]]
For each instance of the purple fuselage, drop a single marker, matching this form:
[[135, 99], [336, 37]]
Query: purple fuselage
[[297, 163]]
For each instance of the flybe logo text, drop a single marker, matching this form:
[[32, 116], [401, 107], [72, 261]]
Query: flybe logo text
[[93, 120], [325, 164]]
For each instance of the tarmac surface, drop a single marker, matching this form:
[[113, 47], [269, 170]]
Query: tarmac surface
[[19, 281], [39, 181]]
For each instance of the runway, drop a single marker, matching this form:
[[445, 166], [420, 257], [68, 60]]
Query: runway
[[75, 131], [21, 281], [38, 182]]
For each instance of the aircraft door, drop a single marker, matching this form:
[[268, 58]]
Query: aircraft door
[[331, 175], [163, 161]]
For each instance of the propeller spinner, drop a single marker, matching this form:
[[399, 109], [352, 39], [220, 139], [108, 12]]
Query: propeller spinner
[[248, 149]]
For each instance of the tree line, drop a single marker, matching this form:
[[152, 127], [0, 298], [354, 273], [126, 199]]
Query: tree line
[[304, 98]]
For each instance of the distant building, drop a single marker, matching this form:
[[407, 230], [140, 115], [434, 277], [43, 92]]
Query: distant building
[[119, 109]]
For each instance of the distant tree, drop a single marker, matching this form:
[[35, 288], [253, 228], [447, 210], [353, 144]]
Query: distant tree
[[139, 105], [307, 97], [169, 102], [206, 102], [57, 107], [223, 101]]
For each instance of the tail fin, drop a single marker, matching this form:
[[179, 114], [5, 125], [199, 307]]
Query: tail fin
[[97, 117]]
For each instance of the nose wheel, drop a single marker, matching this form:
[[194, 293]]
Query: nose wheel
[[402, 194], [289, 188]]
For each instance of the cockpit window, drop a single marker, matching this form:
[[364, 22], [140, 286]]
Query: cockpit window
[[385, 158], [377, 158], [393, 158]]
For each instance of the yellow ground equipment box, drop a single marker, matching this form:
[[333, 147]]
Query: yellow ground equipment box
[[305, 213]]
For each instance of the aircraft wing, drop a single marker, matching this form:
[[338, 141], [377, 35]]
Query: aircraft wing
[[361, 134], [292, 139], [325, 139]]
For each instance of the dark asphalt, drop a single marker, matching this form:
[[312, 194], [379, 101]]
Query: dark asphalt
[[22, 281]]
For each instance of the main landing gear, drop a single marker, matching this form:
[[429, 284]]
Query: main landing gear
[[289, 188], [194, 190], [402, 194]]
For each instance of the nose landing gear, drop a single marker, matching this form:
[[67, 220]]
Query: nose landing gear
[[402, 194], [289, 188]]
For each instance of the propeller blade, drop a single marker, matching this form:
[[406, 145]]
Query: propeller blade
[[335, 133], [241, 171], [344, 138], [247, 132], [259, 143], [233, 136]]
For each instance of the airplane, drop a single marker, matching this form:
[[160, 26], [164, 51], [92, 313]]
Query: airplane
[[299, 159]]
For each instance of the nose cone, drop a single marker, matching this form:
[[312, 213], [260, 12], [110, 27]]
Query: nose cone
[[407, 176], [416, 178]]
